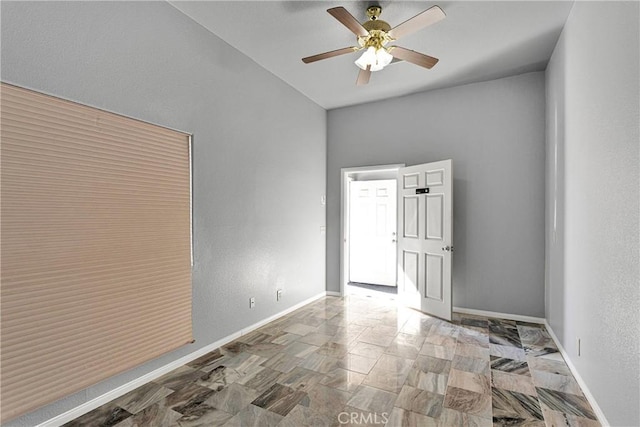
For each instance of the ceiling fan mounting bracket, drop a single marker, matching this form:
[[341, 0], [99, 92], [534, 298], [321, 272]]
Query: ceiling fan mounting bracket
[[373, 12]]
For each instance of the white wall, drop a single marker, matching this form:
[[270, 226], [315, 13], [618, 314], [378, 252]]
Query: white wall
[[259, 149], [494, 132], [592, 251]]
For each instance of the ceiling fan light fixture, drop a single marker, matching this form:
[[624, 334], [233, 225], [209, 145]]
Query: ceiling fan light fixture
[[375, 59]]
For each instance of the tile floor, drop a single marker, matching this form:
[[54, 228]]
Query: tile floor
[[365, 362]]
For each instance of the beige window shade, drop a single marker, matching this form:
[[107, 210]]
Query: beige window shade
[[96, 246]]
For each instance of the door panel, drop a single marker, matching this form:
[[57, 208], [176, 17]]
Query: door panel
[[425, 218]]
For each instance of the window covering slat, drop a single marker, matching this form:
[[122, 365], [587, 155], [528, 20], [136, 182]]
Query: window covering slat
[[95, 242]]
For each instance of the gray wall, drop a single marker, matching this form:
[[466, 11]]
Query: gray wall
[[259, 149], [592, 263], [494, 132]]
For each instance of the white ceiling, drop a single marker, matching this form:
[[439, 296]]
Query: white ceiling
[[477, 41]]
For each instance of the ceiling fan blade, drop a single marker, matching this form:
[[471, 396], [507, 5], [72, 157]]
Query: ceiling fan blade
[[364, 76], [421, 20], [330, 54], [347, 19], [414, 57]]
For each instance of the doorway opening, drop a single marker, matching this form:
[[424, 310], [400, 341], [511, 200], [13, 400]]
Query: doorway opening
[[368, 227]]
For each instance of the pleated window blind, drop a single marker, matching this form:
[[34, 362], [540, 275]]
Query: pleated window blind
[[96, 246]]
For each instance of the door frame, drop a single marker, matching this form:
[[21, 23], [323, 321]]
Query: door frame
[[346, 175]]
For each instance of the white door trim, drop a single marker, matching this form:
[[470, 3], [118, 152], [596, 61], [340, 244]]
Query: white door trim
[[345, 177]]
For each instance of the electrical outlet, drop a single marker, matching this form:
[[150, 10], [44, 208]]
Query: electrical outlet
[[578, 346], [252, 302], [278, 294]]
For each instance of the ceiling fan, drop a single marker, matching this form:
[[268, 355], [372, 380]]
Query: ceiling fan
[[373, 37]]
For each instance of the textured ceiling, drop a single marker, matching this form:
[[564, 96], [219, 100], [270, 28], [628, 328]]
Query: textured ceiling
[[476, 41]]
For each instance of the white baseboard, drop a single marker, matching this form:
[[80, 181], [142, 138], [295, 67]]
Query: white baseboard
[[333, 294], [507, 316], [583, 386], [78, 411]]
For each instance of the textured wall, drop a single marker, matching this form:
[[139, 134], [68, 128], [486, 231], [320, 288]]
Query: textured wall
[[259, 171], [494, 132], [592, 201]]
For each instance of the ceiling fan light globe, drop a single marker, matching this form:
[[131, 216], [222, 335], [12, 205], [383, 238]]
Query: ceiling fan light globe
[[384, 57], [367, 58]]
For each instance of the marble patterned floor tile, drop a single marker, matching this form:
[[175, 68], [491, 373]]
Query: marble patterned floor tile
[[468, 401], [548, 365], [142, 397], [153, 415], [245, 363], [254, 416], [279, 399], [317, 339], [187, 397], [377, 339], [513, 405], [299, 349], [232, 399], [105, 415], [260, 380], [512, 382], [507, 351], [325, 400], [439, 351], [510, 365], [300, 329], [565, 402], [478, 383], [285, 338], [332, 349], [389, 362], [220, 377], [452, 418], [432, 364], [475, 321], [506, 336], [469, 350], [282, 362], [207, 359], [551, 381], [342, 379], [420, 401], [471, 364], [366, 349], [201, 416], [179, 377], [402, 417], [372, 399], [474, 338], [429, 381], [385, 380], [300, 379], [357, 363], [561, 419], [535, 336], [405, 345], [364, 356], [265, 349], [303, 416]]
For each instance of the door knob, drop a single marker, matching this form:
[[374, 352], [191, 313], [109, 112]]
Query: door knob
[[448, 249], [393, 241]]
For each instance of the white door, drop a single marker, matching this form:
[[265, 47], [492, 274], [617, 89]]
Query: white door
[[372, 232], [425, 237]]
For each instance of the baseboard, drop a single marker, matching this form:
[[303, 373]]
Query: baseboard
[[78, 411], [507, 316], [583, 386], [333, 294]]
